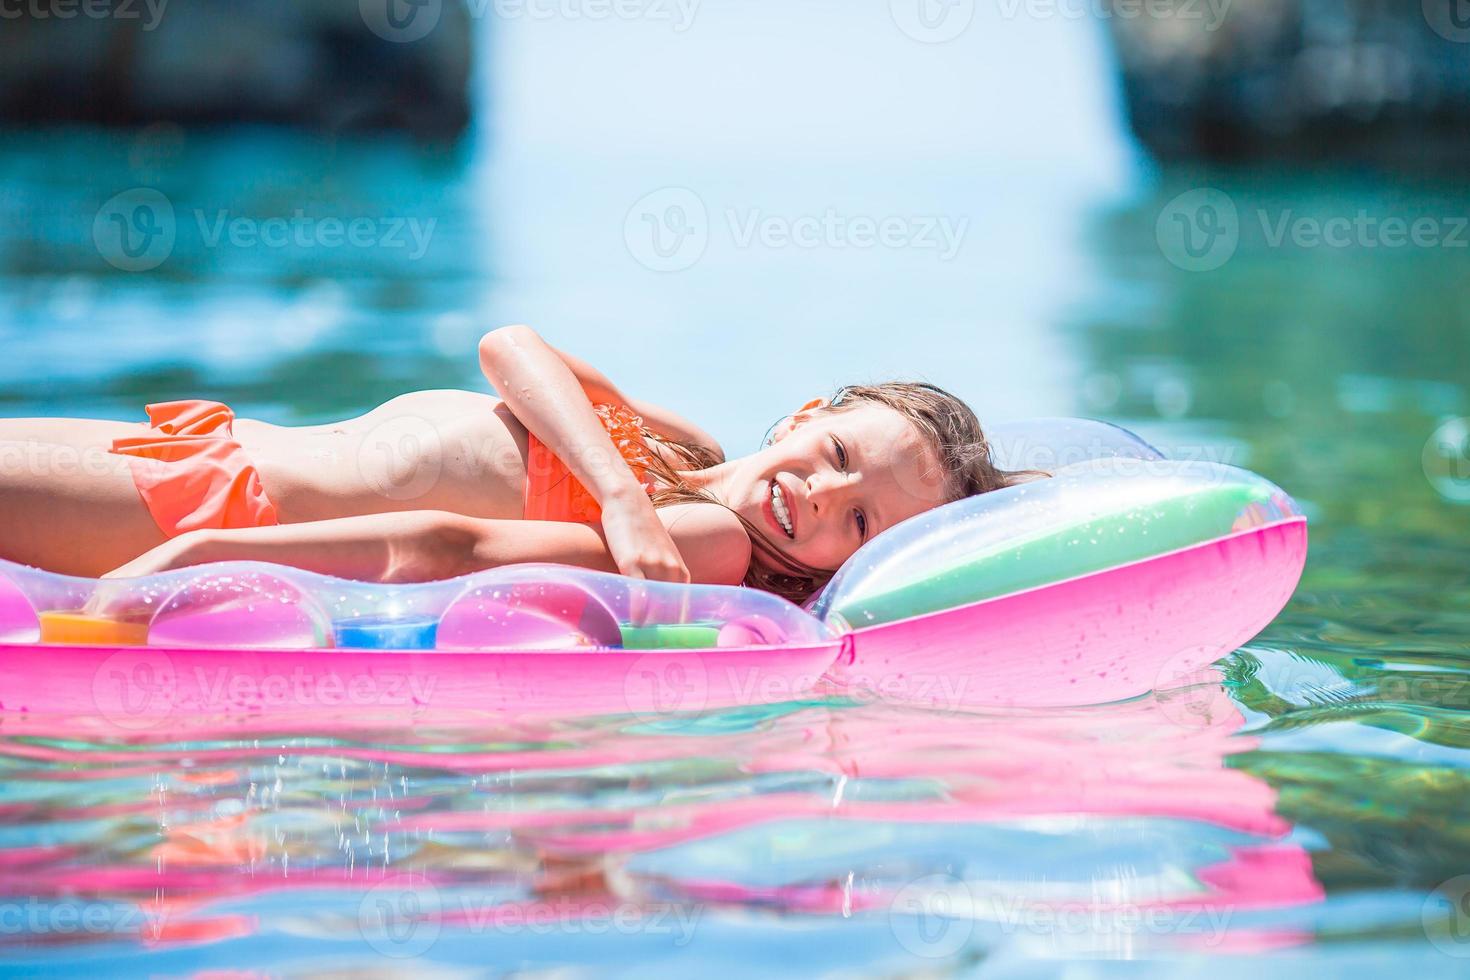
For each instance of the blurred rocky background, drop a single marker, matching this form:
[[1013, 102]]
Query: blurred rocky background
[[337, 65], [1380, 82]]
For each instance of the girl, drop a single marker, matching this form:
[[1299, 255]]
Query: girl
[[563, 468]]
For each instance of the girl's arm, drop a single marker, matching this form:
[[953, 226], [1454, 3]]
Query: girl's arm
[[424, 545], [544, 394], [659, 420], [403, 546]]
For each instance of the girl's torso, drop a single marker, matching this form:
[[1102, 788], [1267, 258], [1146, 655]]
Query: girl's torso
[[460, 451]]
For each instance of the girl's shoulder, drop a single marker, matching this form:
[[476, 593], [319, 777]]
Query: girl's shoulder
[[711, 540]]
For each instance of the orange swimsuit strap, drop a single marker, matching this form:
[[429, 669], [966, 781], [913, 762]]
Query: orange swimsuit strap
[[554, 494]]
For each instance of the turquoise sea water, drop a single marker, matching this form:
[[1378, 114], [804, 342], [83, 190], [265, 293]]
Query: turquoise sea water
[[1307, 811]]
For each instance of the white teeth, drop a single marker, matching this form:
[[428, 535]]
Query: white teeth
[[783, 516]]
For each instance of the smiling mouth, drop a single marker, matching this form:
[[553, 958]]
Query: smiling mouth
[[778, 507]]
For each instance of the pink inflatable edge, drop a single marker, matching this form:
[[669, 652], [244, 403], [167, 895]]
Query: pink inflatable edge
[[1102, 637], [142, 688]]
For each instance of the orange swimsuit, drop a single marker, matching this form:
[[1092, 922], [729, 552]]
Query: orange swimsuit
[[553, 494], [190, 471]]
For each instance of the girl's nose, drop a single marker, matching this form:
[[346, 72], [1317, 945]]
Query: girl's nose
[[821, 491], [814, 492]]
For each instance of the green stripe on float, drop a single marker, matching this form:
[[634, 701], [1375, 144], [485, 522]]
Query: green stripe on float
[[1106, 541]]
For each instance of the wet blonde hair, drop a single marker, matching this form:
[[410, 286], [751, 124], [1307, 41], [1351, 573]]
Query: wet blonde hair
[[942, 420]]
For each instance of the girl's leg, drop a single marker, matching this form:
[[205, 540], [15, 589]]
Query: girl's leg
[[66, 503]]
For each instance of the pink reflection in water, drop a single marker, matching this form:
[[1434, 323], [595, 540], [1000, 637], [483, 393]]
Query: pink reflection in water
[[522, 812]]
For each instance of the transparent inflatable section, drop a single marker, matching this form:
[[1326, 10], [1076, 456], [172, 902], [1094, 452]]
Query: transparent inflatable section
[[1089, 516], [1051, 444], [262, 606], [18, 622]]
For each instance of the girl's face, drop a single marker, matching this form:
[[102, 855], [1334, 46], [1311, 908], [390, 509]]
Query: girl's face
[[832, 480]]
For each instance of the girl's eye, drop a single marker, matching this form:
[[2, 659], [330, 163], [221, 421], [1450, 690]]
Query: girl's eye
[[862, 524], [841, 453]]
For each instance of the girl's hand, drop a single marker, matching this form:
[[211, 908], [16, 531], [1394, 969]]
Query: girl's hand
[[121, 602], [173, 553], [639, 543]]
